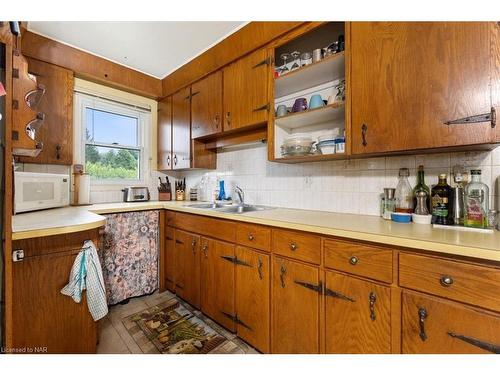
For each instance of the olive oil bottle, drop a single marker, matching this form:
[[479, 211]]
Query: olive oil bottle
[[476, 201], [440, 201]]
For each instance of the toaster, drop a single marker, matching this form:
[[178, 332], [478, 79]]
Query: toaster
[[136, 194]]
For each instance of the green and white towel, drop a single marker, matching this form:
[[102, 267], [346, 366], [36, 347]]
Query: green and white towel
[[86, 274]]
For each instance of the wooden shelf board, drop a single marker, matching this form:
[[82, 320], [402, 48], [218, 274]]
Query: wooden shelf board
[[311, 158], [326, 70], [315, 116]]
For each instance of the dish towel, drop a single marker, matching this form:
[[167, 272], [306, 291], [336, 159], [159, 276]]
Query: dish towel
[[86, 273]]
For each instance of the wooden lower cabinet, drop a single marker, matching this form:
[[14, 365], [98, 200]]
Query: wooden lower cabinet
[[169, 276], [187, 270], [295, 307], [253, 297], [357, 316], [43, 319], [434, 325], [217, 281]]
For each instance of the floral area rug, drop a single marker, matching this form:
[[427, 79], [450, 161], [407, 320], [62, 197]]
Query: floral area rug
[[172, 327]]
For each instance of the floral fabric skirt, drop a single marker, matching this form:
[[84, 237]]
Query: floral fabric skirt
[[129, 256]]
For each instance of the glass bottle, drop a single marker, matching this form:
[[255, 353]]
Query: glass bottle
[[476, 201], [440, 199], [421, 186], [404, 192]]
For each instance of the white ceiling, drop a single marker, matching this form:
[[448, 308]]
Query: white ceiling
[[154, 48]]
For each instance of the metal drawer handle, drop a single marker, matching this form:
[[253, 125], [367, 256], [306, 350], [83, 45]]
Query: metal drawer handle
[[480, 344], [282, 275], [205, 250], [372, 298], [250, 237], [422, 315], [353, 260], [364, 129], [446, 281], [193, 245], [293, 246], [259, 268]]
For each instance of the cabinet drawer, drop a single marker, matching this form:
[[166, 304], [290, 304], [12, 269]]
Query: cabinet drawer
[[359, 259], [297, 245], [221, 229], [463, 282], [434, 326], [255, 236]]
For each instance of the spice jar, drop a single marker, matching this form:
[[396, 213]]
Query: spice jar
[[306, 59]]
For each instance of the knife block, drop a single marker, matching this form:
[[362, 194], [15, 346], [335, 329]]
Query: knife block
[[164, 196]]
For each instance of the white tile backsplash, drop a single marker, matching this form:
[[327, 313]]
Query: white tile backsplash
[[350, 186]]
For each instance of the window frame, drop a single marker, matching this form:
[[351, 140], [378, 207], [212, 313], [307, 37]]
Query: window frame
[[84, 101]]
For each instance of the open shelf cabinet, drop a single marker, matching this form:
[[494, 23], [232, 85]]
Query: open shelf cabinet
[[318, 78]]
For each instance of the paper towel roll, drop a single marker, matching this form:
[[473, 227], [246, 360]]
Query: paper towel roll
[[84, 189]]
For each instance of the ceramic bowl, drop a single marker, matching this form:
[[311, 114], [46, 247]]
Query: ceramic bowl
[[401, 217]]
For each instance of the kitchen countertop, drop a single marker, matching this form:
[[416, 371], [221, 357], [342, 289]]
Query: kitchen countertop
[[350, 226]]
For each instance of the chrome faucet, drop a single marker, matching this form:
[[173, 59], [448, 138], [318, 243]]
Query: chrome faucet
[[241, 195]]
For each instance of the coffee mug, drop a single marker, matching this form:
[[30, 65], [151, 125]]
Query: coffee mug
[[316, 101], [281, 110], [299, 105]]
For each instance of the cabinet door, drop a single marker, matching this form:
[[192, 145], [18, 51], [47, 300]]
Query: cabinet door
[[181, 129], [170, 258], [165, 134], [358, 317], [206, 106], [434, 326], [187, 261], [246, 100], [253, 297], [409, 78], [217, 281], [42, 316], [295, 307], [57, 104]]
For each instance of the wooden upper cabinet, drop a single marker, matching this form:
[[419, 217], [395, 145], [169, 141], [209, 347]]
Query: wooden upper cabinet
[[181, 129], [409, 78], [165, 134], [358, 316], [435, 326], [56, 134], [206, 106], [246, 100]]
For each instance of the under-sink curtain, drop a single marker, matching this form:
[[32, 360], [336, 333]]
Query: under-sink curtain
[[130, 254]]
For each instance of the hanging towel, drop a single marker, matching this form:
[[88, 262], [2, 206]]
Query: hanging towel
[[86, 273]]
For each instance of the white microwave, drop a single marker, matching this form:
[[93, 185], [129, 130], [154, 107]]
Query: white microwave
[[37, 191]]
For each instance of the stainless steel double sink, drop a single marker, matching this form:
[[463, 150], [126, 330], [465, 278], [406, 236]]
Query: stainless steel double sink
[[229, 208]]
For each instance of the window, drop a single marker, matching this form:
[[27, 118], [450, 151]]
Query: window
[[112, 149], [111, 138]]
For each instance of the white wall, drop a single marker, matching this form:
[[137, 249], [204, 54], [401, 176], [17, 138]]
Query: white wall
[[350, 186]]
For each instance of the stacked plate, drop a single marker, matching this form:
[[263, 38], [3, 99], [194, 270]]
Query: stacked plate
[[326, 142], [299, 144]]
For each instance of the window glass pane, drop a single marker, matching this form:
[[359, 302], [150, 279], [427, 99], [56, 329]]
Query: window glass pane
[[110, 128], [107, 163]]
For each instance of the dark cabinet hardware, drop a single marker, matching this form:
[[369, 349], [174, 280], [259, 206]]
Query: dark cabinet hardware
[[168, 160], [316, 288], [293, 246], [217, 121], [228, 119], [250, 237], [446, 280], [480, 344], [235, 260], [364, 129], [58, 152], [175, 159], [372, 298], [265, 107], [179, 242], [194, 93], [490, 117], [169, 238], [331, 293], [236, 320], [262, 63], [353, 260], [205, 250], [422, 315], [179, 286], [259, 268], [282, 275]]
